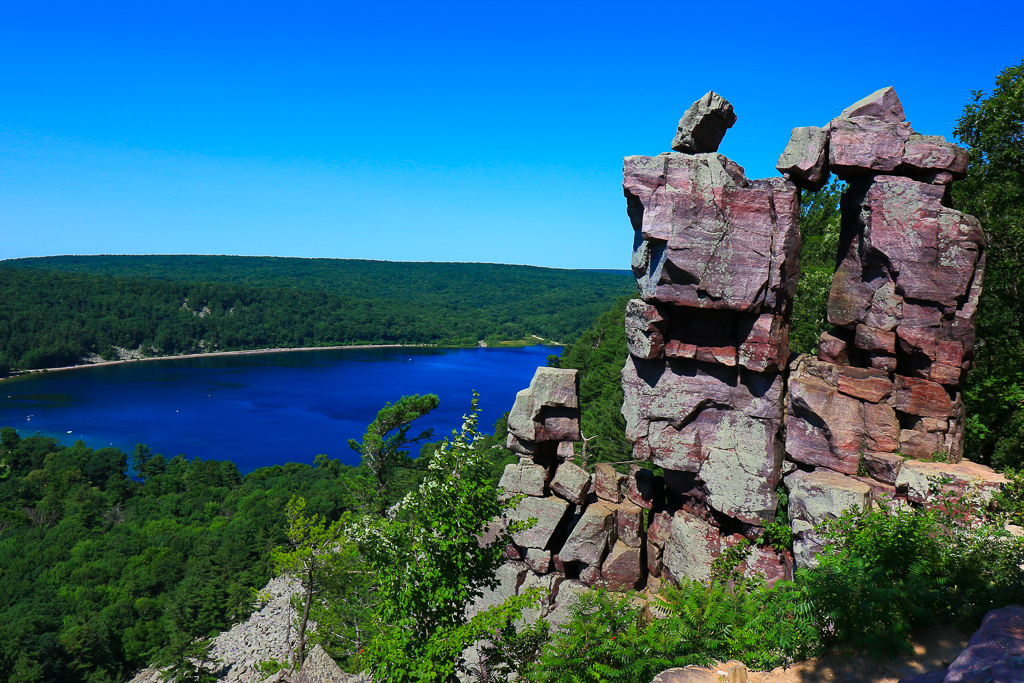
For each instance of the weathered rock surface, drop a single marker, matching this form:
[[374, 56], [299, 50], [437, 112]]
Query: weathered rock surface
[[704, 124], [917, 478], [608, 483], [804, 161], [815, 497], [519, 478], [571, 482], [592, 536], [549, 513]]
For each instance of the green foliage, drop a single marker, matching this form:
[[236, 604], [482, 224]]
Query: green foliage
[[55, 310], [609, 639], [599, 354], [992, 126], [336, 588], [101, 575], [819, 228], [192, 663], [888, 570], [430, 565], [382, 444]]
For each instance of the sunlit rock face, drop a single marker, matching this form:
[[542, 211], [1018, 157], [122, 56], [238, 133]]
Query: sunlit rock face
[[712, 395]]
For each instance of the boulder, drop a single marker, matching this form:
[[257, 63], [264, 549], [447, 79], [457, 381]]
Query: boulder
[[539, 560], [571, 482], [590, 539], [549, 513], [640, 487], [629, 525], [804, 161], [645, 336], [621, 570], [608, 483], [883, 105], [916, 479], [995, 652], [933, 153], [703, 126], [860, 147], [522, 478], [709, 238], [692, 546]]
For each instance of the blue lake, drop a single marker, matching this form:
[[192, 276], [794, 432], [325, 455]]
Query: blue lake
[[263, 409]]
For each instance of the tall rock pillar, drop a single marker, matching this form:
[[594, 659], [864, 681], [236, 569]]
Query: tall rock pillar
[[716, 258]]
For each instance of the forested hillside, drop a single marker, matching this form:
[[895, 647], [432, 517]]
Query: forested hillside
[[56, 310]]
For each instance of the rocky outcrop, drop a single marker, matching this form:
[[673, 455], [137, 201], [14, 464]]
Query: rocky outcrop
[[267, 634], [712, 395]]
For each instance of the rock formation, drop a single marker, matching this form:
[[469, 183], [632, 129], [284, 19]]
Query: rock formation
[[712, 395], [716, 257]]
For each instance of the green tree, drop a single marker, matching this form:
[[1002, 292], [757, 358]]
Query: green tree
[[430, 565], [386, 437], [992, 126], [309, 559], [819, 229]]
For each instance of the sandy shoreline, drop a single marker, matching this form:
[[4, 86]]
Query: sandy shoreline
[[220, 353]]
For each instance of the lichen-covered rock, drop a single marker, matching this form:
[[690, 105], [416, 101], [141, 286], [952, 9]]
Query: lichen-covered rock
[[692, 546], [916, 479], [629, 525], [703, 126], [818, 496], [709, 238], [645, 336], [320, 668], [549, 513], [860, 147], [591, 538], [521, 478], [571, 482], [539, 560], [549, 409]]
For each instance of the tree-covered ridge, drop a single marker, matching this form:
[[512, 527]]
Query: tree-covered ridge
[[54, 311]]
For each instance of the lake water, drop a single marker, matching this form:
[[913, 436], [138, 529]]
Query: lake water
[[263, 409]]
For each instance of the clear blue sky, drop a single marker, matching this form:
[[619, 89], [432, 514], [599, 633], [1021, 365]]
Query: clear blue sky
[[426, 131]]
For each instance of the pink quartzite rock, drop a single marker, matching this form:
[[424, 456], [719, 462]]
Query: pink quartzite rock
[[995, 652], [549, 409], [916, 478], [804, 161], [910, 279], [629, 525], [621, 570], [883, 105], [884, 467], [593, 534], [933, 153], [640, 487], [523, 479], [548, 512], [859, 146], [704, 124], [709, 238], [690, 549], [571, 482], [654, 555], [659, 529], [827, 428], [608, 483], [644, 330]]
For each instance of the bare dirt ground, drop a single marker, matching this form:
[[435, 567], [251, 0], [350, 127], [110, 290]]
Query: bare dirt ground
[[934, 649]]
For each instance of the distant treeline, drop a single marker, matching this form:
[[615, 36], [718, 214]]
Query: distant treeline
[[56, 310]]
